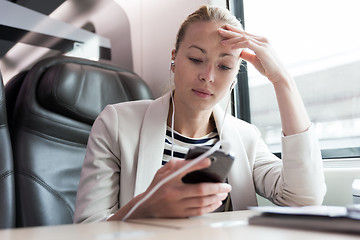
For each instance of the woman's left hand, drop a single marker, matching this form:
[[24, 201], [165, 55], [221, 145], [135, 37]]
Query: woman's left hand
[[264, 60]]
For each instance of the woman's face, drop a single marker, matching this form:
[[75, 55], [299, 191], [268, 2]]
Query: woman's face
[[204, 69]]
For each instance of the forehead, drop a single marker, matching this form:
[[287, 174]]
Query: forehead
[[199, 28], [205, 35], [202, 32]]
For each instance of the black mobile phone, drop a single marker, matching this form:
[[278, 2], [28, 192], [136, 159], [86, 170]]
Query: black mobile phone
[[221, 163]]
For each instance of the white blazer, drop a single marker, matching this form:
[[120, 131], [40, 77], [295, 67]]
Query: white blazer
[[126, 145]]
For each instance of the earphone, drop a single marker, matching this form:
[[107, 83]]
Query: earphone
[[172, 63], [233, 84]]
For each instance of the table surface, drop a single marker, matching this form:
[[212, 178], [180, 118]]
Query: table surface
[[230, 225]]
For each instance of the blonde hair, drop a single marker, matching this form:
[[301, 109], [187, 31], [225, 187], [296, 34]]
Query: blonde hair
[[206, 13]]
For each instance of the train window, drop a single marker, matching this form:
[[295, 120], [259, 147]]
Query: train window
[[320, 46]]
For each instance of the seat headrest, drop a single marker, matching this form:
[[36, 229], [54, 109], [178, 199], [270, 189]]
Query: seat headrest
[[81, 91]]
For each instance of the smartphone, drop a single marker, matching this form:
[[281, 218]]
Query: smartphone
[[217, 172]]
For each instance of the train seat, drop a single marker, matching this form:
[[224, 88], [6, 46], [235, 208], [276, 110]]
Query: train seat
[[56, 104], [7, 184]]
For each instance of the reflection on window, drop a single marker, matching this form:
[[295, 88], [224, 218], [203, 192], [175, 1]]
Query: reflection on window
[[319, 43]]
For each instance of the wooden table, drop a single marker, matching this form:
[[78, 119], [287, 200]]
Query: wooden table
[[231, 225]]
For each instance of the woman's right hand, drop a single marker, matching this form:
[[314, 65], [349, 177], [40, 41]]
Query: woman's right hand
[[176, 199]]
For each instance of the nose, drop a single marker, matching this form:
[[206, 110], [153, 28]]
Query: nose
[[207, 73]]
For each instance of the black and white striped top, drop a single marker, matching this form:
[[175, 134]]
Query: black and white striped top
[[182, 144]]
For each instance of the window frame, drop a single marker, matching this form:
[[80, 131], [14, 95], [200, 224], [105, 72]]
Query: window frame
[[241, 96]]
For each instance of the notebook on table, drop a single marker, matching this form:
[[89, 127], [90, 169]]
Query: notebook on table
[[323, 218]]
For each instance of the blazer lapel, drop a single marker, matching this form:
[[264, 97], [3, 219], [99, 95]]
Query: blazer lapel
[[240, 176], [152, 140]]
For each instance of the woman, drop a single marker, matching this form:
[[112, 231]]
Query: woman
[[129, 140]]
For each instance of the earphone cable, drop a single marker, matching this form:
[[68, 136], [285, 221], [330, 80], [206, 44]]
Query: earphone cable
[[172, 117]]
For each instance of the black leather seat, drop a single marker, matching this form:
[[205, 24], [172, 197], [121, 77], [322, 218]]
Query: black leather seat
[[57, 103], [7, 184]]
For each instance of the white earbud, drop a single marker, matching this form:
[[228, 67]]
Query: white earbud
[[233, 84]]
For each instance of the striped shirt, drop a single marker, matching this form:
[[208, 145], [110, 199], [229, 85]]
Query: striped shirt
[[182, 144]]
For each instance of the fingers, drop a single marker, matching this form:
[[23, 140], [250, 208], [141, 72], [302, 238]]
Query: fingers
[[203, 197], [200, 205], [229, 34], [176, 164], [204, 189], [180, 212], [199, 190], [198, 211], [233, 28], [196, 202], [178, 205], [250, 57], [204, 163], [238, 38]]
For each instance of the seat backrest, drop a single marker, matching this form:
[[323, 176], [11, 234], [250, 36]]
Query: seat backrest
[[7, 185], [58, 101]]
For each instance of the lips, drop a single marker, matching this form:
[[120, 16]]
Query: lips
[[202, 92]]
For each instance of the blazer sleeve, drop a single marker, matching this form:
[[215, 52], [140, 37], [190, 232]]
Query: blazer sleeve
[[98, 190], [297, 179]]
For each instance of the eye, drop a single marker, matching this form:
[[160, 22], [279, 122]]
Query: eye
[[223, 67], [195, 60]]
